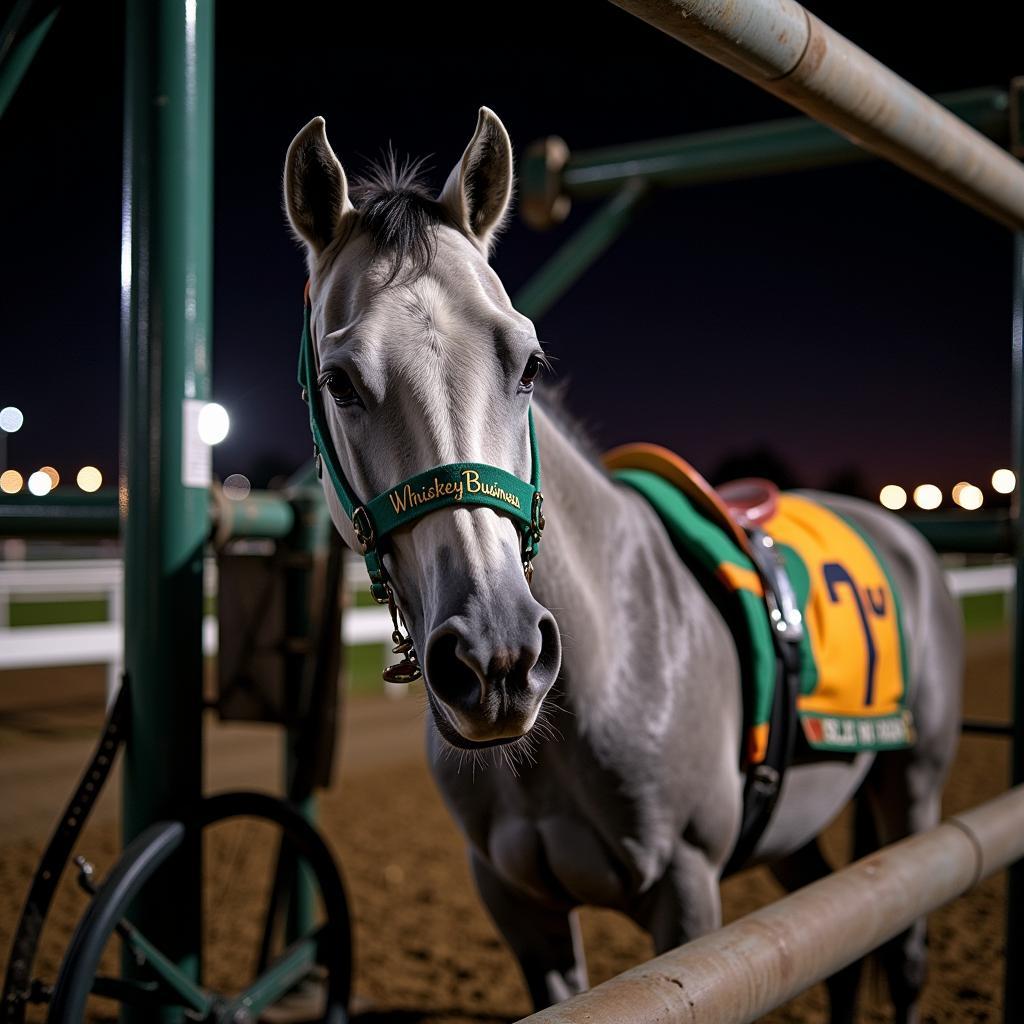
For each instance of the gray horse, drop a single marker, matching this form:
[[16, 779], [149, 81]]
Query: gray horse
[[620, 726]]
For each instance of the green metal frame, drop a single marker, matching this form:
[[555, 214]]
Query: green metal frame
[[752, 151], [729, 154]]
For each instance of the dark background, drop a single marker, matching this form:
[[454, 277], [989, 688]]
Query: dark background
[[853, 322]]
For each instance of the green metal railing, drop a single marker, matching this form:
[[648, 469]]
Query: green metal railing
[[551, 176]]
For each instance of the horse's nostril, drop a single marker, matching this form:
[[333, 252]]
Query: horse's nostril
[[549, 661], [449, 676]]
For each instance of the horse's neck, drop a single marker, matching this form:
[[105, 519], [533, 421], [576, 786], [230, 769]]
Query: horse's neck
[[609, 574], [583, 513], [585, 572]]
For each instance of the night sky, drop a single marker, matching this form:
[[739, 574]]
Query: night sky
[[852, 321]]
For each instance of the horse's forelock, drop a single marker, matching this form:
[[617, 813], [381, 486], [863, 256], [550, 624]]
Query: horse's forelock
[[399, 215]]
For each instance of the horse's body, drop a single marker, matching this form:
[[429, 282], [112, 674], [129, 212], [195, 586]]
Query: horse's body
[[627, 790]]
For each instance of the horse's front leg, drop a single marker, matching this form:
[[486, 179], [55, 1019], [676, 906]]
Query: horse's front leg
[[546, 941], [684, 903]]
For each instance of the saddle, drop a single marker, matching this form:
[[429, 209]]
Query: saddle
[[815, 618]]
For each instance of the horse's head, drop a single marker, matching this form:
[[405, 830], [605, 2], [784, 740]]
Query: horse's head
[[423, 362]]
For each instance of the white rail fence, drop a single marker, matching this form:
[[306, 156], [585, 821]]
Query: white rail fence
[[101, 643]]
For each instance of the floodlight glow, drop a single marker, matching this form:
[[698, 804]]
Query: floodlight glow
[[927, 496], [11, 419], [89, 479], [893, 496], [1004, 481], [237, 487], [971, 498], [11, 481], [52, 474], [39, 483], [214, 423]]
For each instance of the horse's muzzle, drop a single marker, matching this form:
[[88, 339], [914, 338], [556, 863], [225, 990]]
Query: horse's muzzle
[[487, 680]]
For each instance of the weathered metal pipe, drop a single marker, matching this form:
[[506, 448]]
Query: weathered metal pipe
[[785, 49], [755, 964]]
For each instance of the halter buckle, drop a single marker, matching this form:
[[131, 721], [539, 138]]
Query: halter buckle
[[363, 526], [537, 516]]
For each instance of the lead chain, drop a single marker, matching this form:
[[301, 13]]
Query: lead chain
[[408, 669]]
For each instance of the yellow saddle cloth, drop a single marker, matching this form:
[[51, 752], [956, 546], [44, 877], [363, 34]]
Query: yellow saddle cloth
[[853, 684], [853, 671]]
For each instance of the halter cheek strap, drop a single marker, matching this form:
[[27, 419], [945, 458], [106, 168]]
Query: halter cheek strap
[[452, 485]]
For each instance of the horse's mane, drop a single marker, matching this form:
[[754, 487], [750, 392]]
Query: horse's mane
[[552, 397], [398, 214]]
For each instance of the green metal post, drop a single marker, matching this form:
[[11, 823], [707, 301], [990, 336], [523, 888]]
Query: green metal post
[[1013, 1000], [562, 271], [308, 542], [1013, 984], [166, 268]]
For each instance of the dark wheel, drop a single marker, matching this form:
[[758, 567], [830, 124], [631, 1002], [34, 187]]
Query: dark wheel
[[328, 947]]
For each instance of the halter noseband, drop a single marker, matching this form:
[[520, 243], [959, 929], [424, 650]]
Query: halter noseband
[[454, 484]]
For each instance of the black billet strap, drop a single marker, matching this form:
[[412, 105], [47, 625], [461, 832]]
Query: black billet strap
[[18, 979]]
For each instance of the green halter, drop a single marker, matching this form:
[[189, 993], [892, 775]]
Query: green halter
[[457, 483]]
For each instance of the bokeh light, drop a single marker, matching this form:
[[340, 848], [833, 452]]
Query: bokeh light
[[214, 423], [52, 474], [893, 496], [237, 487], [89, 479], [970, 497], [11, 481], [927, 496], [1004, 481], [39, 483], [958, 489], [11, 419]]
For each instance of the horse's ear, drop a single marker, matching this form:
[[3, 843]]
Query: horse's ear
[[479, 188], [315, 188]]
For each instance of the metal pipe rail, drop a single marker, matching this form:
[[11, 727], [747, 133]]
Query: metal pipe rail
[[786, 50], [755, 964], [260, 514]]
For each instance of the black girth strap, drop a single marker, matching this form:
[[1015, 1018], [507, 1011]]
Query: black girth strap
[[764, 780]]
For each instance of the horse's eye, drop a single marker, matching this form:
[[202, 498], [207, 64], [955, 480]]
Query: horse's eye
[[530, 372], [340, 387]]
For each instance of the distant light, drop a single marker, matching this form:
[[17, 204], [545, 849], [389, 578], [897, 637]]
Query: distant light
[[52, 474], [237, 487], [89, 479], [11, 419], [958, 489], [970, 497], [214, 423], [39, 483], [1004, 481], [893, 496], [11, 481], [927, 496]]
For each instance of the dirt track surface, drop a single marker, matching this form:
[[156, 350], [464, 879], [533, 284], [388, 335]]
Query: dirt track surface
[[425, 951]]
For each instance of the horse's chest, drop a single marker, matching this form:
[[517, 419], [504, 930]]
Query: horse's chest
[[556, 857]]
